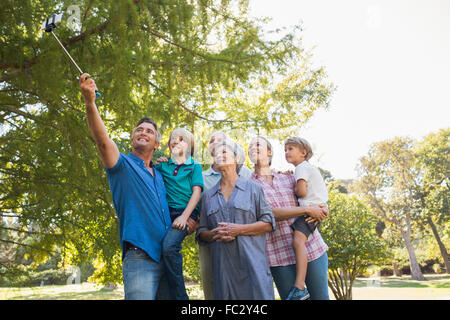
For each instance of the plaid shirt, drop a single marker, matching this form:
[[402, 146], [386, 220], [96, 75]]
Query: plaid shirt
[[279, 242]]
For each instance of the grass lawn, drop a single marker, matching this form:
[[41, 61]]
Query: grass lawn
[[385, 288], [395, 288]]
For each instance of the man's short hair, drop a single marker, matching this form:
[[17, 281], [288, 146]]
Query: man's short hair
[[148, 120]]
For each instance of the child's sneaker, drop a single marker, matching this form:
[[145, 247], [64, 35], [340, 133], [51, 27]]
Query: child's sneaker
[[298, 294]]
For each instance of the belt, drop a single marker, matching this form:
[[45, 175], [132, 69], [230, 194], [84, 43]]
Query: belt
[[130, 246]]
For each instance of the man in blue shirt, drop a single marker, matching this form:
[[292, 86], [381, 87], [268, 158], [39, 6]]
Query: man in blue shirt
[[139, 197]]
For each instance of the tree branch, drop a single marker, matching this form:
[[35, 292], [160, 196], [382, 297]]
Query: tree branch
[[26, 245], [178, 103], [28, 232], [153, 33], [13, 109]]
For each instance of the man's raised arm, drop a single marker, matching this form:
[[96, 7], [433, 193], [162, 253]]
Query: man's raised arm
[[107, 148]]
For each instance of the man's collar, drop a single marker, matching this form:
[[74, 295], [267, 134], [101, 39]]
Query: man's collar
[[211, 172], [215, 189], [138, 160]]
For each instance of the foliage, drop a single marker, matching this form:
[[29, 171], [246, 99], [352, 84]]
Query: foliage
[[191, 263], [388, 180], [353, 244], [326, 175], [406, 182], [32, 278], [432, 210], [426, 249], [337, 185], [340, 185], [433, 160]]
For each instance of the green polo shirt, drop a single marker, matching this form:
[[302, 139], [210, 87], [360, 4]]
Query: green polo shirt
[[179, 180]]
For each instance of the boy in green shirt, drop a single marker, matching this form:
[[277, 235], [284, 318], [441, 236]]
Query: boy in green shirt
[[184, 183]]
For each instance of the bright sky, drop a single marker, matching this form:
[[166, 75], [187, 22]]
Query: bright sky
[[390, 61]]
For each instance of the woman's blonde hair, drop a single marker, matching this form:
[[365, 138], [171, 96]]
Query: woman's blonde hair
[[302, 144], [187, 136]]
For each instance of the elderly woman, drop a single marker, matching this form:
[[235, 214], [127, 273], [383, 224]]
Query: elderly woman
[[234, 218], [279, 191], [211, 177]]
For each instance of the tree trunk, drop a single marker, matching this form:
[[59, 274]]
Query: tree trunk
[[397, 271], [416, 273], [333, 283], [442, 247], [338, 284]]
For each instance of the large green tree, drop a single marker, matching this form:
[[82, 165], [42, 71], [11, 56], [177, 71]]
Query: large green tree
[[353, 243], [192, 63], [388, 179], [433, 190]]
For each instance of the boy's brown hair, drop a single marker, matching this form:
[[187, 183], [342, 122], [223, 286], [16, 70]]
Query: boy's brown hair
[[302, 144]]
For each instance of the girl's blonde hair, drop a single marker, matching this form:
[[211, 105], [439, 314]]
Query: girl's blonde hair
[[302, 144], [187, 136]]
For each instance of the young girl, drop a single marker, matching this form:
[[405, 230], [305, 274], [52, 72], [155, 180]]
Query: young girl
[[310, 190], [184, 183]]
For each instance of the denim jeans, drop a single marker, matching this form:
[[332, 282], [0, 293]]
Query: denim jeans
[[141, 275], [173, 260], [316, 278]]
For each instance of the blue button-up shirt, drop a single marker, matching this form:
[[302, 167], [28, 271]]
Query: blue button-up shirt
[[140, 203]]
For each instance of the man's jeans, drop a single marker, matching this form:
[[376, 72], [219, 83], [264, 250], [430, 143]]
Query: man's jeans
[[141, 275], [316, 278]]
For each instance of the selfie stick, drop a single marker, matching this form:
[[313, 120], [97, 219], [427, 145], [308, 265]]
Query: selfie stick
[[49, 25]]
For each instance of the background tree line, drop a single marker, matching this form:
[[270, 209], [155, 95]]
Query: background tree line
[[394, 216]]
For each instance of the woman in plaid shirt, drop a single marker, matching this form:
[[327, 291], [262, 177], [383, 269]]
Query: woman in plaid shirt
[[279, 192]]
